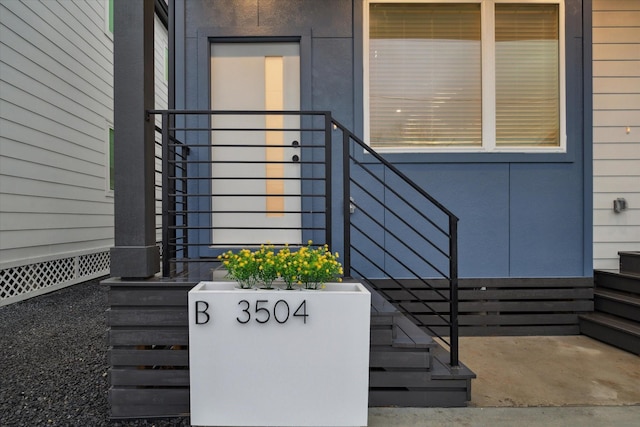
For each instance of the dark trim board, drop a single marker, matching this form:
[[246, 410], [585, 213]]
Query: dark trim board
[[497, 306]]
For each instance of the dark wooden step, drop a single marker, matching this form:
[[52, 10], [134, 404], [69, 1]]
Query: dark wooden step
[[630, 262], [386, 319], [628, 283], [439, 394], [402, 364], [443, 370], [395, 358], [613, 330], [407, 334], [617, 303], [442, 385]]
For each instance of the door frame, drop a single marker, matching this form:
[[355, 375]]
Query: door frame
[[237, 90], [206, 37]]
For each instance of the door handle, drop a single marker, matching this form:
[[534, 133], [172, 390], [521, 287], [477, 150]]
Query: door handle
[[295, 158], [295, 143]]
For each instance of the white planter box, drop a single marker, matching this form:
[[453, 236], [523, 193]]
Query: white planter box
[[278, 357]]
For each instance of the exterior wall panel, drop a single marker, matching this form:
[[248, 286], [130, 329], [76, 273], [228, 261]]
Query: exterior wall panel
[[479, 195], [616, 133], [56, 85], [57, 97], [546, 220], [520, 214]]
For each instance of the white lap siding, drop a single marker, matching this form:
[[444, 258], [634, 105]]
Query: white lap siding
[[56, 108], [616, 128]]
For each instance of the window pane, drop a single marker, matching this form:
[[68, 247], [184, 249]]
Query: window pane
[[424, 75], [527, 75], [110, 17]]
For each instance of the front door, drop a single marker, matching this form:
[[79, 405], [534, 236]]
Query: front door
[[255, 185]]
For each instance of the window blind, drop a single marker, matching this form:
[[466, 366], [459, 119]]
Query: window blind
[[425, 75], [527, 75]]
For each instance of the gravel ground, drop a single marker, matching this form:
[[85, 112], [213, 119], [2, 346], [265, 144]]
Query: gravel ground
[[53, 366]]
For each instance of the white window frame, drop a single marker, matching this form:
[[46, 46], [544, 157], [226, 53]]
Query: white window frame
[[487, 18], [107, 17]]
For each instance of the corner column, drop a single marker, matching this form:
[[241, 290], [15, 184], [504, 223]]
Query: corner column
[[135, 254]]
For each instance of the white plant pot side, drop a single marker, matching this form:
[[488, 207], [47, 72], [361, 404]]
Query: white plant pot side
[[279, 358]]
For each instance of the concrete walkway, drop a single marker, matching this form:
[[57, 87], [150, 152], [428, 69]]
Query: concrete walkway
[[586, 416], [536, 381], [550, 371]]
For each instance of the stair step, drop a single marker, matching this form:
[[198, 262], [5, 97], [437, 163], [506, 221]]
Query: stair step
[[442, 369], [403, 371], [443, 386], [630, 262], [628, 283], [621, 333], [393, 358], [407, 334], [402, 333], [617, 303]]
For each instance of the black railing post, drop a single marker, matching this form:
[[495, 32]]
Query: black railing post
[[184, 177], [453, 273], [346, 204], [166, 256], [328, 205]]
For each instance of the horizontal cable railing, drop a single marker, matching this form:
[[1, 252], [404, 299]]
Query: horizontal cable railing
[[229, 180], [242, 183]]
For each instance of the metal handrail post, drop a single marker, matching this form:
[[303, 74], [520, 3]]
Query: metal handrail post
[[453, 272], [327, 161], [166, 265], [346, 204]]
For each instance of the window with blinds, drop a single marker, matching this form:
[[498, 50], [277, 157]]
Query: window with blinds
[[425, 69], [424, 78], [527, 75]]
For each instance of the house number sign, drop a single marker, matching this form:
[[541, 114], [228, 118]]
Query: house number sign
[[261, 311]]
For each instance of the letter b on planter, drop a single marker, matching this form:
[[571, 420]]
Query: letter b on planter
[[202, 317]]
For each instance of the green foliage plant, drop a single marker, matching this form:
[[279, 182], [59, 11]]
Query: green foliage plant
[[267, 266], [308, 268], [317, 266], [241, 267]]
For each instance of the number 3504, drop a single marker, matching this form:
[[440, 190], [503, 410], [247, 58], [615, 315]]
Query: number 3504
[[262, 312]]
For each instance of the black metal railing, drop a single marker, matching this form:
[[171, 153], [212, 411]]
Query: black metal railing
[[199, 170], [391, 231], [401, 240]]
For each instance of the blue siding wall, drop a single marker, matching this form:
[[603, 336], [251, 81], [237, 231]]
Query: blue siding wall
[[521, 215]]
